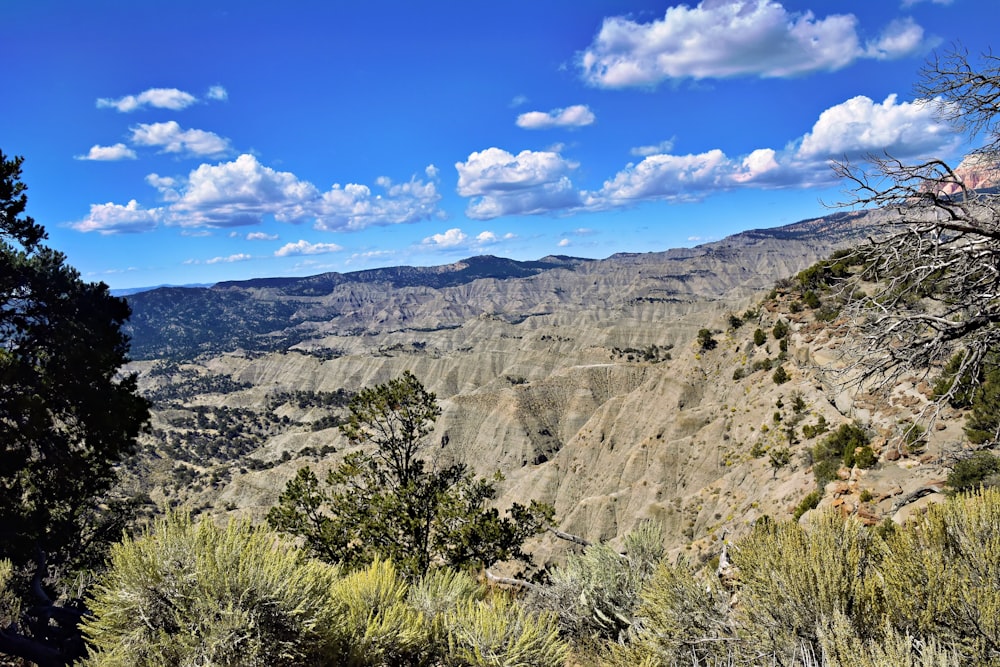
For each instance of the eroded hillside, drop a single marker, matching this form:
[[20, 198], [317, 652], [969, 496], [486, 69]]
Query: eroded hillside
[[585, 382]]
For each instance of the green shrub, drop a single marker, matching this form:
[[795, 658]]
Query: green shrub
[[596, 592], [685, 621], [811, 431], [792, 577], [780, 330], [500, 632], [980, 469], [759, 337], [705, 339], [186, 594], [780, 376], [865, 458], [941, 576], [810, 299], [810, 502], [828, 312]]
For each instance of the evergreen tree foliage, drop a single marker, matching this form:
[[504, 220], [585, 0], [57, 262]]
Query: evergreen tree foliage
[[384, 501], [706, 341], [982, 425], [67, 418], [66, 415], [980, 469]]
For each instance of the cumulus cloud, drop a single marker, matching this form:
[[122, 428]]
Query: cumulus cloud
[[564, 243], [671, 177], [303, 247], [112, 218], [261, 236], [501, 183], [159, 98], [217, 93], [733, 38], [173, 139], [243, 192], [860, 126], [850, 130], [354, 206], [450, 239], [108, 153], [578, 115]]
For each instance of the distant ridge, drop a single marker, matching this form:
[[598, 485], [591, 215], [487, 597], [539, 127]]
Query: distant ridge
[[273, 314], [129, 291], [437, 277]]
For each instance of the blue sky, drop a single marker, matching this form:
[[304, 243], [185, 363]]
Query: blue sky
[[189, 142]]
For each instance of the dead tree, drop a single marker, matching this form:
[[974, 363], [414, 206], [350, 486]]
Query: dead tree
[[932, 278]]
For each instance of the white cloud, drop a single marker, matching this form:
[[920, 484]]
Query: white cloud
[[369, 255], [564, 243], [166, 185], [503, 184], [450, 239], [578, 115], [645, 151], [671, 177], [243, 191], [727, 38], [486, 237], [850, 130], [239, 257], [303, 247], [901, 37], [217, 93], [173, 139], [860, 126], [354, 206], [117, 219], [108, 153], [519, 100], [261, 236], [160, 98]]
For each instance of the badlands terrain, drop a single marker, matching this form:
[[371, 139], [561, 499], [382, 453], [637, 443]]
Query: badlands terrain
[[585, 382]]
